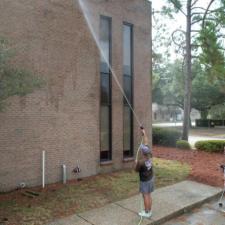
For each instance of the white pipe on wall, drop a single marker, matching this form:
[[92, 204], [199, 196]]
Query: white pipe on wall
[[64, 173], [43, 169]]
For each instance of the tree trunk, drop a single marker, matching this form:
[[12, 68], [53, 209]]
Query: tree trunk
[[188, 75]]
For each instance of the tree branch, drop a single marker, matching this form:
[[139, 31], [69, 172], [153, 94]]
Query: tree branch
[[206, 12], [206, 19], [195, 31], [195, 46], [209, 11], [221, 48], [178, 8], [173, 39], [221, 35], [196, 21], [198, 8], [194, 3], [197, 13]]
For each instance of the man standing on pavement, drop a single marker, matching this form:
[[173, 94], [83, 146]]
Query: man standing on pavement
[[145, 169]]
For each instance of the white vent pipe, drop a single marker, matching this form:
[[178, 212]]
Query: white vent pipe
[[43, 169], [64, 173]]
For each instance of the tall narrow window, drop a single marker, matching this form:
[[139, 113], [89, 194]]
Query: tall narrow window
[[105, 112], [128, 89]]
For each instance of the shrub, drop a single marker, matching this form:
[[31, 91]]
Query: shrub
[[165, 136], [211, 145], [182, 144]]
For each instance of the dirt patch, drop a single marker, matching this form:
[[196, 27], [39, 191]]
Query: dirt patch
[[205, 167]]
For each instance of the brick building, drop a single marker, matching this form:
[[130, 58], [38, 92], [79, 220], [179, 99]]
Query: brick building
[[79, 116]]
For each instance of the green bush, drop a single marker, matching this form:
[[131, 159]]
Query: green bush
[[182, 144], [165, 136], [211, 145]]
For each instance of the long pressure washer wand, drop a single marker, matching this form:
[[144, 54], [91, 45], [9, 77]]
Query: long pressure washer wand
[[220, 201], [142, 128]]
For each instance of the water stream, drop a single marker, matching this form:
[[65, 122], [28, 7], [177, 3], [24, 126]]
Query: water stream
[[87, 15]]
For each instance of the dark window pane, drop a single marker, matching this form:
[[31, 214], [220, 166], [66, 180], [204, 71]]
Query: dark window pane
[[105, 26], [126, 128], [127, 49], [127, 70], [104, 128], [127, 85], [104, 67], [104, 156], [105, 114], [105, 95], [127, 153]]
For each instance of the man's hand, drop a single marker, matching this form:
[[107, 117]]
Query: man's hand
[[142, 131]]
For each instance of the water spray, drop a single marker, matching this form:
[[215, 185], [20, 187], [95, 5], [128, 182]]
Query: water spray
[[85, 12]]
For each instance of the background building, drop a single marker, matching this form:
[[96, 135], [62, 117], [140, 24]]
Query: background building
[[79, 117], [171, 113]]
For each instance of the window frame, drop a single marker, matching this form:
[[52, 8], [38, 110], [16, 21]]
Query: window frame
[[109, 104], [129, 153]]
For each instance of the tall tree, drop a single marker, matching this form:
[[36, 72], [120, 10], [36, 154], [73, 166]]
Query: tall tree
[[207, 20], [205, 94]]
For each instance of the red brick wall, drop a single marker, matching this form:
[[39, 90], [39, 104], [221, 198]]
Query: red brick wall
[[52, 40]]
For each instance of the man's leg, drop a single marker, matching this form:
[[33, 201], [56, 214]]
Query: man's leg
[[147, 202]]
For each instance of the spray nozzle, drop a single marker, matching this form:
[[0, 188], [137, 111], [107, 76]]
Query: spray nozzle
[[142, 130]]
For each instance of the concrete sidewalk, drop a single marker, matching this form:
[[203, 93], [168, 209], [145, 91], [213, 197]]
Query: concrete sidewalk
[[168, 202]]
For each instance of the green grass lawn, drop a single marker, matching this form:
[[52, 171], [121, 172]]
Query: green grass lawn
[[63, 200]]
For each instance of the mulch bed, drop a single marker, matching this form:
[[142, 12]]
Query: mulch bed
[[205, 166]]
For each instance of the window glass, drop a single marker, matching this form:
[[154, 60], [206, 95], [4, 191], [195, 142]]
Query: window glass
[[105, 85], [127, 128], [105, 95], [127, 85], [127, 49], [105, 44], [104, 128]]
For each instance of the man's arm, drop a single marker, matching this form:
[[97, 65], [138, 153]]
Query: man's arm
[[145, 137], [137, 166]]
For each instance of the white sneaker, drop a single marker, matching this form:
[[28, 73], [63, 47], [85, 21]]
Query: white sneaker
[[144, 214]]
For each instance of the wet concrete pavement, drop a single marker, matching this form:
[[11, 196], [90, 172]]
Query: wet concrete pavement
[[209, 214]]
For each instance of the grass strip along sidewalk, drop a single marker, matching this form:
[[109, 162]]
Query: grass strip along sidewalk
[[59, 200]]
